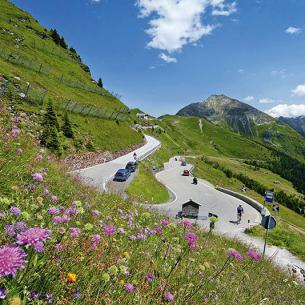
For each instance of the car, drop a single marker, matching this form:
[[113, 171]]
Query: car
[[186, 172], [183, 163], [122, 175], [132, 166]]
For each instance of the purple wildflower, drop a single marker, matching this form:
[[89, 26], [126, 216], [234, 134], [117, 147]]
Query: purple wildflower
[[65, 218], [15, 211], [96, 213], [141, 236], [34, 295], [164, 222], [57, 220], [74, 232], [19, 151], [49, 298], [191, 238], [158, 230], [132, 237], [70, 212], [169, 297], [254, 255], [235, 254], [109, 230], [96, 239], [15, 132], [40, 157], [58, 247], [186, 223], [149, 277], [10, 230], [2, 293], [37, 177], [129, 287], [11, 259], [48, 158], [53, 211], [54, 198], [46, 191], [34, 237]]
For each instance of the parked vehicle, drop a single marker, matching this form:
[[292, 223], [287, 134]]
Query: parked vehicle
[[122, 175], [183, 163], [132, 166], [186, 172]]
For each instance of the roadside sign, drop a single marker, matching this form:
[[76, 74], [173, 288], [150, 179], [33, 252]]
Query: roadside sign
[[268, 222], [269, 196]]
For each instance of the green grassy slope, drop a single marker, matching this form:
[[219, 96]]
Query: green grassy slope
[[72, 269], [211, 140], [145, 188], [36, 66]]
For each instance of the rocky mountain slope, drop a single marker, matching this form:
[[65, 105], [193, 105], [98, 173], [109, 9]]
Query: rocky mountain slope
[[297, 123], [239, 116]]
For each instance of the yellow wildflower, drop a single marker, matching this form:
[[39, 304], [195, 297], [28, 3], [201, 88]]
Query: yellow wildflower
[[15, 301], [71, 277]]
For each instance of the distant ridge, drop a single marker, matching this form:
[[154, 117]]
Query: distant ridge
[[241, 117]]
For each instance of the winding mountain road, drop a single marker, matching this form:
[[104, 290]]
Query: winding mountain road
[[98, 175], [221, 204], [211, 200]]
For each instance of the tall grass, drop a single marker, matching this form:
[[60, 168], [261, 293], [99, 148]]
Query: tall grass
[[103, 250]]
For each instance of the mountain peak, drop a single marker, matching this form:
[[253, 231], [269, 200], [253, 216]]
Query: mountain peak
[[241, 117]]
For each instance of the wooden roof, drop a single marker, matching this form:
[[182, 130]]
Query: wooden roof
[[191, 202]]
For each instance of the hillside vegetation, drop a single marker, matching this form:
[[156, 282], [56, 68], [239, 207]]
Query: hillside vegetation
[[69, 244], [37, 66]]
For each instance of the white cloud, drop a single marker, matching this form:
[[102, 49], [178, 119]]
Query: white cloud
[[281, 73], [293, 30], [299, 90], [266, 101], [167, 58], [223, 9], [175, 23], [249, 98], [241, 71], [286, 110]]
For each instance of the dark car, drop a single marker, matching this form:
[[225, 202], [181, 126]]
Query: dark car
[[122, 175], [132, 166], [183, 163]]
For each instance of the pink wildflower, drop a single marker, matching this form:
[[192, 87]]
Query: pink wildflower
[[11, 259], [34, 237], [109, 230], [254, 255], [129, 287], [38, 177], [235, 254], [169, 297]]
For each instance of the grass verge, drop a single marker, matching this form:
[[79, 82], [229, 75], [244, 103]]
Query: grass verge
[[146, 188]]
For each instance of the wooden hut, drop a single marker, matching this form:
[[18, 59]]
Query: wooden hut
[[190, 209]]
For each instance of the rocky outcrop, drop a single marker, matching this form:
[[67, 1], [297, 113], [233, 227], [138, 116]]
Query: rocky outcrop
[[241, 117], [76, 162]]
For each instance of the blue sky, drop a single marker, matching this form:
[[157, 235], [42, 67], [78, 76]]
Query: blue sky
[[161, 55]]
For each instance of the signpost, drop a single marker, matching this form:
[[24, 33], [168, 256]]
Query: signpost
[[269, 223], [269, 196]]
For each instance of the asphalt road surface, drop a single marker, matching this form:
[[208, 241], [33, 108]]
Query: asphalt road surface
[[211, 200], [223, 205], [99, 175]]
